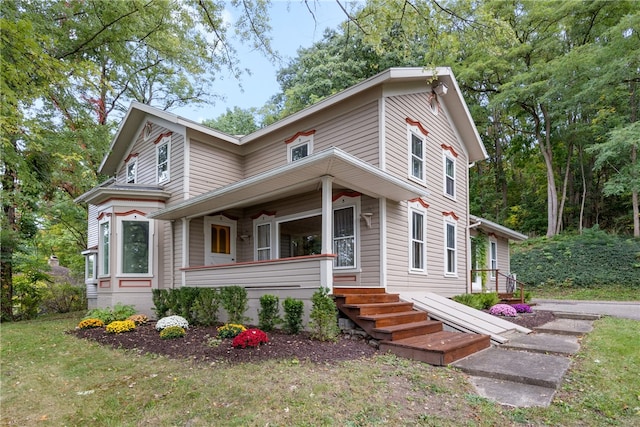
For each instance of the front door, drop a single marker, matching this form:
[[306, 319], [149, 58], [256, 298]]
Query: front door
[[219, 240]]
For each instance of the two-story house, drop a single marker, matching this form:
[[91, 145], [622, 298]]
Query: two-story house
[[367, 188]]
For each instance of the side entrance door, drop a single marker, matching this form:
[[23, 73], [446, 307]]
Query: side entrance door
[[219, 240]]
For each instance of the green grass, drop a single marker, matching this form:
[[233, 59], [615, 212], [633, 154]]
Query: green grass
[[52, 378]]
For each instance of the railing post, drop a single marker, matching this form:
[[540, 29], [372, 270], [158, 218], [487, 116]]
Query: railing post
[[497, 279]]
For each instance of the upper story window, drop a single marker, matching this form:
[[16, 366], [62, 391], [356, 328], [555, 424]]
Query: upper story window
[[300, 145], [132, 170], [163, 159], [417, 138], [449, 176], [449, 156], [135, 245]]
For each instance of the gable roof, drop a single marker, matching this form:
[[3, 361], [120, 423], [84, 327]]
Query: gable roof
[[453, 100], [498, 229]]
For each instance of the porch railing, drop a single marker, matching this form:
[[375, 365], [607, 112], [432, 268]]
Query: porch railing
[[285, 272], [506, 285]]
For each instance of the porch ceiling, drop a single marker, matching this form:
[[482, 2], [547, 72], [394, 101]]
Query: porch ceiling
[[305, 174]]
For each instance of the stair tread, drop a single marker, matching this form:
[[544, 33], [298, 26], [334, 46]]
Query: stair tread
[[390, 315], [443, 341], [378, 304], [404, 326]]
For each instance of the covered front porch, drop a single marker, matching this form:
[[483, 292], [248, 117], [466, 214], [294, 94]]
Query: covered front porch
[[313, 222]]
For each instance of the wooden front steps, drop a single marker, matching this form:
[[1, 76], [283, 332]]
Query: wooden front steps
[[403, 330]]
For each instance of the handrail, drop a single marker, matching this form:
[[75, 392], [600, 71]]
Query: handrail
[[508, 278]]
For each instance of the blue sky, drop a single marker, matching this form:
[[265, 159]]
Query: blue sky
[[293, 26]]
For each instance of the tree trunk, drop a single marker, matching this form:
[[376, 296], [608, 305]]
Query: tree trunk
[[564, 189], [8, 245], [547, 154]]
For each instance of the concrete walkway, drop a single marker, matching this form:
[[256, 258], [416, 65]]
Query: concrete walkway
[[528, 369], [626, 309]]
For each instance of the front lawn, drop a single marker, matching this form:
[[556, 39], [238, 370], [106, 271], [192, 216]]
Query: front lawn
[[53, 378]]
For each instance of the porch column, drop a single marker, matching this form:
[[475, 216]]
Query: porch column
[[326, 266], [185, 249]]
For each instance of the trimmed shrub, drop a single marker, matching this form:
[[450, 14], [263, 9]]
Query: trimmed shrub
[[235, 301], [120, 326], [230, 330], [269, 313], [160, 299], [206, 306], [250, 338], [171, 332], [324, 316], [90, 323], [293, 311], [165, 322], [481, 301]]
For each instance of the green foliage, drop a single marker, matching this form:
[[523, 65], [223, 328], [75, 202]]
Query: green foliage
[[324, 316], [293, 311], [236, 122], [206, 305], [235, 301], [119, 312], [29, 293], [480, 301], [269, 313], [64, 298], [230, 330], [592, 259], [172, 332]]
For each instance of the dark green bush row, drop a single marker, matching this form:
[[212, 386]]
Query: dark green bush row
[[480, 301], [198, 305], [593, 259]]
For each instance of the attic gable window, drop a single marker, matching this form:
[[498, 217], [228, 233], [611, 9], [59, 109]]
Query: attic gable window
[[299, 145], [417, 136], [131, 165], [163, 158]]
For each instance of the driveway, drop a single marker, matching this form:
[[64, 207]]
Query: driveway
[[625, 309]]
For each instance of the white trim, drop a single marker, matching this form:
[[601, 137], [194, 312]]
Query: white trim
[[262, 220], [448, 221], [383, 242], [417, 208], [447, 156], [133, 161], [185, 249], [164, 141], [411, 132], [493, 243], [186, 161], [355, 203], [101, 252], [301, 141], [134, 217]]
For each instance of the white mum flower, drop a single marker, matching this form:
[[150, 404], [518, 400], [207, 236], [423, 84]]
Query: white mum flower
[[165, 322]]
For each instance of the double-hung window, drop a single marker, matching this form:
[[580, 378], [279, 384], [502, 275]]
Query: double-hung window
[[344, 237], [418, 241], [163, 159], [493, 257], [105, 247], [450, 249], [263, 241], [417, 149], [132, 170], [449, 176]]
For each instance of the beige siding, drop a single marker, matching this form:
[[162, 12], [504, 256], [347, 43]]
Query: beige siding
[[355, 131], [211, 168], [370, 244], [416, 107], [93, 228], [196, 242]]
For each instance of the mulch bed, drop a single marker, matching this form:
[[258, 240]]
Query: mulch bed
[[197, 344]]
